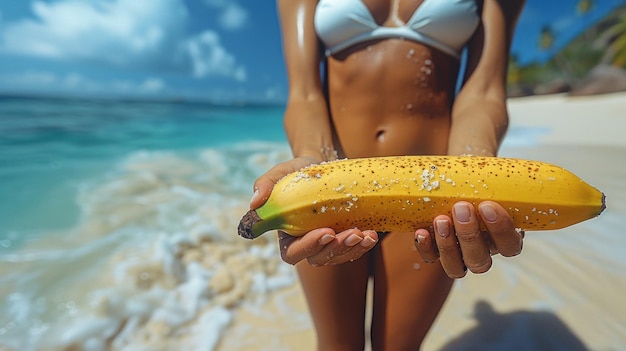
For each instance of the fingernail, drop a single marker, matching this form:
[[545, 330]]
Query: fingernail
[[326, 239], [489, 213], [254, 196], [368, 241], [352, 240], [420, 238], [442, 228], [462, 213]]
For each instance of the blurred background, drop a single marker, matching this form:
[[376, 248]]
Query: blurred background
[[131, 132], [230, 51]]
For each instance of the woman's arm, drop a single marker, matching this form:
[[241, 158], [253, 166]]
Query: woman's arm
[[479, 123], [307, 123], [308, 128], [306, 118], [479, 114]]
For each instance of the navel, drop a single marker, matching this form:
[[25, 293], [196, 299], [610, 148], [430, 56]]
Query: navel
[[380, 135]]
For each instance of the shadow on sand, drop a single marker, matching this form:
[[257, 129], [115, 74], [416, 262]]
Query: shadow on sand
[[515, 331]]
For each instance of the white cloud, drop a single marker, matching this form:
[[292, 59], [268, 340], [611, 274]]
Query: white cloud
[[115, 32], [142, 34], [152, 85], [148, 86], [232, 16], [210, 58]]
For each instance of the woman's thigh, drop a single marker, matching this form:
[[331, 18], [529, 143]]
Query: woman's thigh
[[408, 294], [336, 296]]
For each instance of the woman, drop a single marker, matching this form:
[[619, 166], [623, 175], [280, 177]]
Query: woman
[[388, 88]]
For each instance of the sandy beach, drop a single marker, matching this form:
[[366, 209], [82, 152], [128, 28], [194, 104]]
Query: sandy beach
[[564, 292]]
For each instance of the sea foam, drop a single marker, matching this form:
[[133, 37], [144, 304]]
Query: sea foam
[[154, 263]]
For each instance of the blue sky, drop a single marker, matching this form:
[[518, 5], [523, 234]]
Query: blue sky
[[221, 50]]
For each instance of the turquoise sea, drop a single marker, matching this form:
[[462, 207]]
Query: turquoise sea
[[51, 148], [120, 216]]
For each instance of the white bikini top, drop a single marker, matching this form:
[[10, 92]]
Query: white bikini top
[[445, 25]]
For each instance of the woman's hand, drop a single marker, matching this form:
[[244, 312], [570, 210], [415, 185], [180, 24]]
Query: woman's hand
[[320, 246], [264, 184], [460, 243]]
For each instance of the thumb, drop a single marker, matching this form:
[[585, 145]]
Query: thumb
[[265, 183], [262, 189]]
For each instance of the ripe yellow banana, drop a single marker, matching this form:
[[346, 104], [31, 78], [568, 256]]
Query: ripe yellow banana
[[404, 193]]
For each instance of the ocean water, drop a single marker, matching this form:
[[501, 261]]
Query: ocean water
[[118, 221]]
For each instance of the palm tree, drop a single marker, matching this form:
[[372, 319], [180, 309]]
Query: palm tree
[[584, 6], [546, 43], [546, 38], [619, 48], [614, 38]]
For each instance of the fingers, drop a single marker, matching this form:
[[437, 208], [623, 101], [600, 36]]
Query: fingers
[[265, 183], [450, 251], [296, 249], [474, 247], [350, 246], [426, 246], [457, 242], [501, 228], [442, 245], [470, 238], [262, 189], [325, 247]]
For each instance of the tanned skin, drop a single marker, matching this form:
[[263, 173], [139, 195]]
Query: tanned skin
[[393, 97]]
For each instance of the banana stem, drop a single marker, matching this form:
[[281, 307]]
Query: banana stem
[[245, 225]]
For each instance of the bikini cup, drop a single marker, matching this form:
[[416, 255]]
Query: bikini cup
[[445, 25]]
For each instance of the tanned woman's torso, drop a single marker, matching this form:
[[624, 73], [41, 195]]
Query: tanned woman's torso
[[391, 96]]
